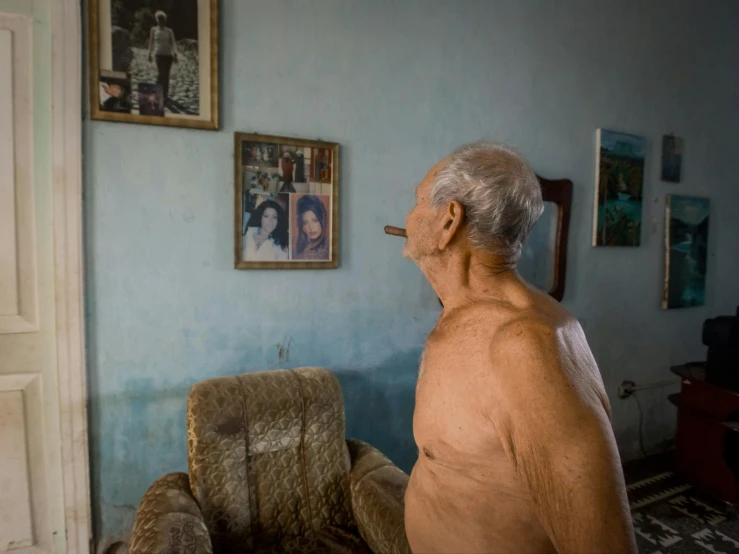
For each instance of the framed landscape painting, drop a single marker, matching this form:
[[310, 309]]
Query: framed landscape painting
[[619, 189], [286, 203], [154, 62], [686, 251]]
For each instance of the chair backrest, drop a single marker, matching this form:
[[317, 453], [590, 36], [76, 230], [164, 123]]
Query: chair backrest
[[267, 456]]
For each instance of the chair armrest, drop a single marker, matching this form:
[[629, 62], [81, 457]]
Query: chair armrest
[[168, 520], [377, 490]]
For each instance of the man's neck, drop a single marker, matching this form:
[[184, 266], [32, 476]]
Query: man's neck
[[461, 278]]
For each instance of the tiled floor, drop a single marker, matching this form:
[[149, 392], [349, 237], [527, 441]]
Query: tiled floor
[[672, 518]]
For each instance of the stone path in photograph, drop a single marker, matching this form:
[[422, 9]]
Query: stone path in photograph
[[184, 94]]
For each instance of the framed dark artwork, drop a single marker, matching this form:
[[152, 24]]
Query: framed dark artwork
[[672, 158], [619, 188], [154, 62], [286, 209], [686, 251]]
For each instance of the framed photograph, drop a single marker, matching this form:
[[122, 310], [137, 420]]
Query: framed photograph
[[672, 158], [686, 251], [286, 203], [619, 188], [154, 62]]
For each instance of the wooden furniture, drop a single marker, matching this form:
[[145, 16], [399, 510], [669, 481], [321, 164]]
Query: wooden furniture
[[559, 192], [707, 434]]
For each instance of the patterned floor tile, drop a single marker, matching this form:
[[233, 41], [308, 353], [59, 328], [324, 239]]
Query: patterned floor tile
[[700, 511], [655, 531], [716, 542]]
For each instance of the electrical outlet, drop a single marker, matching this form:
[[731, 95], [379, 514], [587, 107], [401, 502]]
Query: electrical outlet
[[626, 389]]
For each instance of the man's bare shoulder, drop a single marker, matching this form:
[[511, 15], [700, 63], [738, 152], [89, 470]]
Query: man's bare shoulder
[[498, 319], [542, 355]]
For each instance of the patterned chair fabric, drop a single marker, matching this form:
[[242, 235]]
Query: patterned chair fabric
[[270, 471]]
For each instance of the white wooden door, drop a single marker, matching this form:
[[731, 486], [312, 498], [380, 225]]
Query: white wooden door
[[35, 491]]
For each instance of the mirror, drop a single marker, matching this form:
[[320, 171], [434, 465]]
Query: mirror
[[537, 261], [543, 260]]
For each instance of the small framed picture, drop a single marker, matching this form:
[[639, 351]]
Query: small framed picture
[[286, 203], [154, 62]]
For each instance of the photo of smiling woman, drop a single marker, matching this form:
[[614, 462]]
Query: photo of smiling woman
[[311, 228], [266, 237]]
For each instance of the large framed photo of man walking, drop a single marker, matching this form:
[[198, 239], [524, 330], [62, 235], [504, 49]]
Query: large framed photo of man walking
[[154, 62]]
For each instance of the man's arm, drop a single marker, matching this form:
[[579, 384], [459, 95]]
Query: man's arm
[[557, 434]]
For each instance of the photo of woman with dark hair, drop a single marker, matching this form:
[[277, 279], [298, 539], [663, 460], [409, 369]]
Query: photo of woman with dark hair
[[266, 237], [312, 229]]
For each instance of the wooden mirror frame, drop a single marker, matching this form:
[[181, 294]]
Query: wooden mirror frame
[[559, 192]]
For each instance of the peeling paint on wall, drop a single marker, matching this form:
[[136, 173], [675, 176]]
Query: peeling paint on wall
[[283, 351]]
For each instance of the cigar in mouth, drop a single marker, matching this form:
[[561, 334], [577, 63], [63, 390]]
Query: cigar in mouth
[[394, 231]]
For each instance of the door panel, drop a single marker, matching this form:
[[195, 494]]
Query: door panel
[[24, 518], [31, 503], [18, 293], [15, 518]]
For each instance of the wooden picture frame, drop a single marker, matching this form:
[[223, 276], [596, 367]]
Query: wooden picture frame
[[286, 203], [154, 70], [559, 192]]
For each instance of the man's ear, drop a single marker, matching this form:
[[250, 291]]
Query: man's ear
[[451, 221]]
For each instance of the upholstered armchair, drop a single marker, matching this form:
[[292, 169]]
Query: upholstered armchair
[[270, 471]]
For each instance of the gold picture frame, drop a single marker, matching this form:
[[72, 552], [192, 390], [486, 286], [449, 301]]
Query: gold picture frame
[[286, 203], [141, 72]]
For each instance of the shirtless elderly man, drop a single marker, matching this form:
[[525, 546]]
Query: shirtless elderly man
[[512, 422]]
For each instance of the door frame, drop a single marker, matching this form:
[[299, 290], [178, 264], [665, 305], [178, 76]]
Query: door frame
[[66, 38]]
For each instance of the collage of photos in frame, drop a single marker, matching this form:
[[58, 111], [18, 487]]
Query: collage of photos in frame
[[286, 202]]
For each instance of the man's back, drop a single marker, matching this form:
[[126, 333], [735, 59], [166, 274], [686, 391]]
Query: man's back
[[497, 376]]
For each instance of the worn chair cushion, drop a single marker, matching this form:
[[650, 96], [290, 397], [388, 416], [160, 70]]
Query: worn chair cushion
[[169, 521], [267, 457], [377, 492], [329, 540]]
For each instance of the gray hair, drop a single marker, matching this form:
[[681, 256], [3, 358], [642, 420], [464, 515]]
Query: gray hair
[[500, 193], [160, 13]]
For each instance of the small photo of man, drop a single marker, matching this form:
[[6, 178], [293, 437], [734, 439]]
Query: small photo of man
[[114, 92]]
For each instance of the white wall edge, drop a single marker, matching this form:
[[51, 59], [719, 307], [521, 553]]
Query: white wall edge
[[66, 34]]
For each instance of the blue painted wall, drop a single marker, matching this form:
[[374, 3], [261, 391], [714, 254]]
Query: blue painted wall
[[399, 84]]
